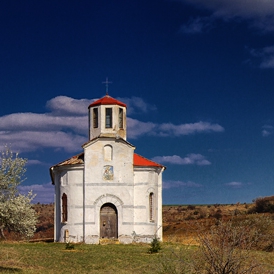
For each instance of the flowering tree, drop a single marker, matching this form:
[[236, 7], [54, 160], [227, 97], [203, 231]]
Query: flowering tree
[[16, 212]]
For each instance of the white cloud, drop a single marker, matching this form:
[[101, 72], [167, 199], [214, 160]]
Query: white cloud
[[57, 129], [137, 128], [36, 162], [265, 56], [137, 105], [258, 13], [43, 122], [66, 127], [240, 8], [234, 184], [268, 62], [265, 133], [176, 184], [197, 25], [63, 105], [190, 159], [169, 129], [267, 130], [34, 140], [44, 193]]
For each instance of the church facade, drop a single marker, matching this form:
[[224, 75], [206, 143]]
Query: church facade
[[107, 191]]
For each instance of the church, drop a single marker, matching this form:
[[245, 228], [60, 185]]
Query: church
[[107, 191]]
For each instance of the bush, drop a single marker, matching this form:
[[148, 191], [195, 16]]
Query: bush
[[69, 246], [174, 260], [155, 245], [236, 212], [203, 213], [226, 249], [218, 214], [191, 207], [263, 205]]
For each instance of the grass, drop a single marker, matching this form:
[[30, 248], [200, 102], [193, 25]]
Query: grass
[[54, 258], [113, 258]]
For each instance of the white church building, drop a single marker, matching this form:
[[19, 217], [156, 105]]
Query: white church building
[[107, 191]]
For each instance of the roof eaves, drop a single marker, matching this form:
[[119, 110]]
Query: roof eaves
[[140, 161], [101, 136], [107, 100]]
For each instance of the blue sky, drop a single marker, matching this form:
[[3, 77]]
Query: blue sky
[[197, 77]]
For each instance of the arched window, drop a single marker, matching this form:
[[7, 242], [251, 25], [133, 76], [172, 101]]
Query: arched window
[[108, 117], [64, 208], [151, 207], [95, 117], [121, 118], [108, 153]]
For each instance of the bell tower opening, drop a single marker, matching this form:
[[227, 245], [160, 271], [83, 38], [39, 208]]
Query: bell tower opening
[[95, 117], [107, 117]]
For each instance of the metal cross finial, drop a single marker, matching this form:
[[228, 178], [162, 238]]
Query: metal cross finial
[[107, 82]]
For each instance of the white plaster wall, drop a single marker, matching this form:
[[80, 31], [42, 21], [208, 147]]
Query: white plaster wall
[[128, 191], [87, 189], [69, 180], [57, 210], [95, 132], [147, 180], [119, 191], [160, 205]]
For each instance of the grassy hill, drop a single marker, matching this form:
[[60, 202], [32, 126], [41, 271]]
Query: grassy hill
[[178, 220], [180, 225]]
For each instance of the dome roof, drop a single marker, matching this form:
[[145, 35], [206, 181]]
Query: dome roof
[[107, 100]]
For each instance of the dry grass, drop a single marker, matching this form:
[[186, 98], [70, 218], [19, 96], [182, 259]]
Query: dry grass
[[180, 225], [179, 222], [54, 258]]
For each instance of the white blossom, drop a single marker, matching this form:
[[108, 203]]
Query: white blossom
[[16, 212]]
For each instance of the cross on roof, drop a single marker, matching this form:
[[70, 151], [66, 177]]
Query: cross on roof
[[107, 82]]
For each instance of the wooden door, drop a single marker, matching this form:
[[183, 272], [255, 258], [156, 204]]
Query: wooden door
[[108, 221]]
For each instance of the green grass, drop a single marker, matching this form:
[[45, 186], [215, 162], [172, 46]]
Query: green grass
[[113, 258], [54, 258]]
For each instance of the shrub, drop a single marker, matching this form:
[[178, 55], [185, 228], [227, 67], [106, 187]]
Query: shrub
[[236, 212], [174, 260], [263, 205], [69, 246], [202, 213], [191, 207], [226, 249], [155, 245], [189, 217]]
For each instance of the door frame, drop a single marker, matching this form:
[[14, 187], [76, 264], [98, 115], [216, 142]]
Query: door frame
[[116, 220]]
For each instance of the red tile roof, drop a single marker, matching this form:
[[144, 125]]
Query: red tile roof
[[139, 160], [107, 100], [74, 160]]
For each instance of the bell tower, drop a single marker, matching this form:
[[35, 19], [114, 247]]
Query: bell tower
[[107, 118]]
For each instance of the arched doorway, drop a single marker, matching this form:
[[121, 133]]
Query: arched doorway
[[108, 221]]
